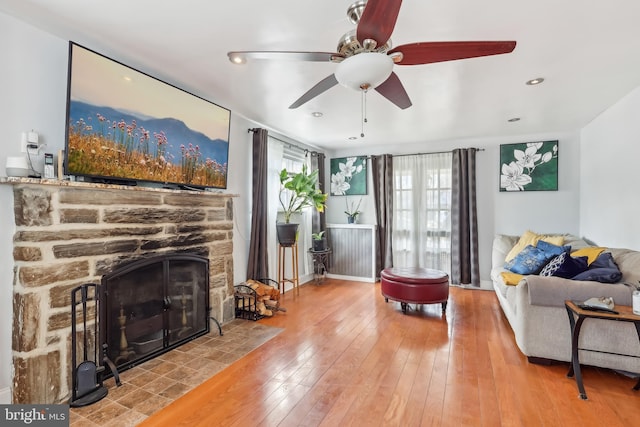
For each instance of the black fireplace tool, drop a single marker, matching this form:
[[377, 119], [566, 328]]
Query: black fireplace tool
[[86, 387]]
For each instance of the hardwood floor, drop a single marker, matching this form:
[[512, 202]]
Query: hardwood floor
[[347, 358]]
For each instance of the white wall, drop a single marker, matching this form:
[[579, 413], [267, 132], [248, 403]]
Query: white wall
[[506, 213], [609, 197]]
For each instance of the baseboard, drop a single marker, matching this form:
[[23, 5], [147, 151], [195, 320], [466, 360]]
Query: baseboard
[[353, 278], [5, 396]]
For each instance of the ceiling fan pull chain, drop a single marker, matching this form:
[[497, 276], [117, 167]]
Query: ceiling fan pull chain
[[364, 111]]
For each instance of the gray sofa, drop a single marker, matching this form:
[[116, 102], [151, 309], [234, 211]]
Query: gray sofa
[[535, 310]]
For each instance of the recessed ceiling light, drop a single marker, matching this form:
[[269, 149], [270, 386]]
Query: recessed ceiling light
[[537, 81], [514, 119], [316, 114]]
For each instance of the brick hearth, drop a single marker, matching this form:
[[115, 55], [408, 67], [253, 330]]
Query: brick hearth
[[68, 234]]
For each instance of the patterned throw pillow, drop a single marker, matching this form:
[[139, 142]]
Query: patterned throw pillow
[[529, 261], [553, 265]]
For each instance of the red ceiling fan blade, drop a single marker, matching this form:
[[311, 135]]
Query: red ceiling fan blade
[[429, 52], [377, 21], [393, 90], [240, 57], [324, 85]]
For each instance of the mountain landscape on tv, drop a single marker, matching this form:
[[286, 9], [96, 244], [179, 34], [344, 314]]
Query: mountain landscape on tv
[[105, 142]]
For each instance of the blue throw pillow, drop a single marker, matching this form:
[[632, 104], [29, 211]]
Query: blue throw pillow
[[552, 249], [529, 261], [571, 267]]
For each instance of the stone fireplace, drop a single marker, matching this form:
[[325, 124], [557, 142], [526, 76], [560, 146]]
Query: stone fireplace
[[70, 233]]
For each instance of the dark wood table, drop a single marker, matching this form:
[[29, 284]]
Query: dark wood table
[[624, 314]]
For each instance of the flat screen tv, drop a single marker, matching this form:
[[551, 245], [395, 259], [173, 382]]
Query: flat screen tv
[[124, 126]]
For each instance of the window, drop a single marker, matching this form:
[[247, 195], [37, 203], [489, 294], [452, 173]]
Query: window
[[422, 211], [284, 156]]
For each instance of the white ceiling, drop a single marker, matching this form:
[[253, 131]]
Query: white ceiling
[[588, 52]]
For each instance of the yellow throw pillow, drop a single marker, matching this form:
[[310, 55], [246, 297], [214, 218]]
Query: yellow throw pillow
[[531, 238], [511, 279], [591, 252], [526, 239]]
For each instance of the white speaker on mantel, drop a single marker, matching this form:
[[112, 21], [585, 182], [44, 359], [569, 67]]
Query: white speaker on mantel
[[17, 166]]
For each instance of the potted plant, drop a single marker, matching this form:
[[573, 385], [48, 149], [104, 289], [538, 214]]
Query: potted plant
[[297, 191], [319, 241], [353, 211]]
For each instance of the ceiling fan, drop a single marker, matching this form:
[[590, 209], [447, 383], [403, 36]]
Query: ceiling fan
[[365, 57]]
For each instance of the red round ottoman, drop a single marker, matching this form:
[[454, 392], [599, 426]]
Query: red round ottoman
[[415, 285]]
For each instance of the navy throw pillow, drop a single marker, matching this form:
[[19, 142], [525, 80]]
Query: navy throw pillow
[[572, 266], [604, 269]]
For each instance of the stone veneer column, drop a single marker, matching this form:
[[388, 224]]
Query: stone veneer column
[[68, 234]]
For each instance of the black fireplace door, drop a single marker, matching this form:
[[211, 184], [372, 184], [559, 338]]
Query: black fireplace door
[[153, 305]]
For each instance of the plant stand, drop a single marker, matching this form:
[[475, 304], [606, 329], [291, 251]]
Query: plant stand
[[320, 261], [282, 279]]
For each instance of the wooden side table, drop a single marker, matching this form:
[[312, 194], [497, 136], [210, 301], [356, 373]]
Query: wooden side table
[[625, 314]]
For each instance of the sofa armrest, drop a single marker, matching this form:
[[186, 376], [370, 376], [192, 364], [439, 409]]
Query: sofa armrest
[[553, 291]]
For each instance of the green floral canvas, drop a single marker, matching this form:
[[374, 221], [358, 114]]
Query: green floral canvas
[[529, 166], [349, 176]]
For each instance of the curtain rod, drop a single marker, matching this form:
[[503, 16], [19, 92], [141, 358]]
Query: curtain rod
[[432, 152], [289, 144]]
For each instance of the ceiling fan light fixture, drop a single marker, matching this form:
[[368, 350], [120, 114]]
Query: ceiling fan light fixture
[[365, 70]]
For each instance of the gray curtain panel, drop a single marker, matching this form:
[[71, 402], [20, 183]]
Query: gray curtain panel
[[464, 219], [258, 265], [382, 171]]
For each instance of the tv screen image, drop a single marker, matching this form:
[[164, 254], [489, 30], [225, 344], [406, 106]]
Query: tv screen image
[[125, 125]]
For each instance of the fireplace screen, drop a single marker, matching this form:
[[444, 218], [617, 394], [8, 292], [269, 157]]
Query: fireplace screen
[[153, 305]]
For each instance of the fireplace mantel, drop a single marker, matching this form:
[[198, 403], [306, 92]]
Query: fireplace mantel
[[79, 184], [68, 233]]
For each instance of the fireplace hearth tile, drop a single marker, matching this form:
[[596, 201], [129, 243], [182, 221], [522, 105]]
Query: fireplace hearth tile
[[181, 373], [175, 391], [159, 385], [108, 413], [134, 400], [164, 367], [144, 378]]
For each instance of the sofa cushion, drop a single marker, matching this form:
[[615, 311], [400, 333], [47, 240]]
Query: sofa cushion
[[529, 261], [531, 238]]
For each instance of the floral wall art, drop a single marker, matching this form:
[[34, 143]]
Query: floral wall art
[[349, 176], [529, 166]]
